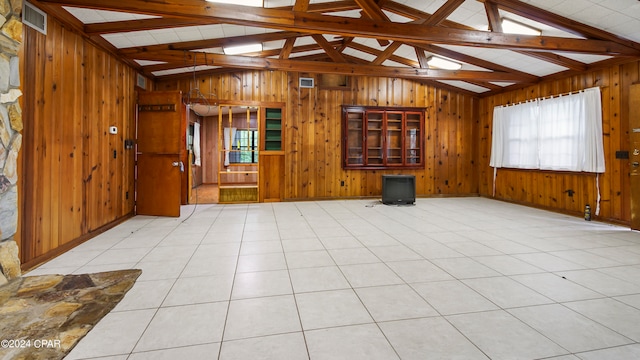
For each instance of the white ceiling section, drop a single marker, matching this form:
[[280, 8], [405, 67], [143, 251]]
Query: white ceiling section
[[599, 22]]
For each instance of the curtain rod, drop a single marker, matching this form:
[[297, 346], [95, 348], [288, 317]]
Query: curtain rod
[[552, 96]]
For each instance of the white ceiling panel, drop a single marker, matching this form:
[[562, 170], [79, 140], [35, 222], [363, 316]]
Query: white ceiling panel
[[90, 16], [465, 85]]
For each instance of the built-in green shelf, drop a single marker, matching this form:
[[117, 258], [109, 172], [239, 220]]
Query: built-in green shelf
[[273, 129]]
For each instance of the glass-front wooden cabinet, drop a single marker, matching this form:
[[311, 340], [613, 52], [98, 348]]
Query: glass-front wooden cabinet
[[382, 137]]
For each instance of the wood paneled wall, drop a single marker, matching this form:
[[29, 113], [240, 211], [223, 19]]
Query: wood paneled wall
[[76, 177], [549, 189], [312, 152]]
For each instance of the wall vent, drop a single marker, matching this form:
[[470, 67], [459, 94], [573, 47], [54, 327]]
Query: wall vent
[[34, 17], [307, 82], [141, 81]]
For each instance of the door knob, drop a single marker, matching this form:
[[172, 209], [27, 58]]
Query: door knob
[[635, 164], [178, 164]]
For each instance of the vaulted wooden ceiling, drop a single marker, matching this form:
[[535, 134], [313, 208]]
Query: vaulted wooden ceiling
[[177, 38]]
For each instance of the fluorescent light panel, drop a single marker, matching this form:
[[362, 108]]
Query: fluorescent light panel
[[444, 64], [254, 3], [513, 27], [242, 49]]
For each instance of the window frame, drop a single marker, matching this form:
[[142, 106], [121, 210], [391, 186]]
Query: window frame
[[252, 147]]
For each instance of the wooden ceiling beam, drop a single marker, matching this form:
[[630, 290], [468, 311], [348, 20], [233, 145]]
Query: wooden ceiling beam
[[168, 21], [419, 17], [264, 53], [371, 10], [143, 24], [422, 58], [329, 49], [297, 49], [325, 24], [344, 43], [245, 62], [443, 12], [301, 5], [560, 22], [210, 43], [495, 24], [493, 16], [379, 54], [557, 59], [438, 17], [486, 85], [454, 55], [326, 7], [73, 23], [387, 53], [287, 48]]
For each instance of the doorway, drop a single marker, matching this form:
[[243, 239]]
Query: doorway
[[229, 142], [242, 152]]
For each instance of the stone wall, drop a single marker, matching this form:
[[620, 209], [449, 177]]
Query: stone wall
[[10, 135]]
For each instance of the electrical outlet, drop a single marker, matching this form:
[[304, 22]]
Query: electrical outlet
[[341, 182]]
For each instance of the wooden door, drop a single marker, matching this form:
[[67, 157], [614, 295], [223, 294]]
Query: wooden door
[[634, 154], [159, 144]]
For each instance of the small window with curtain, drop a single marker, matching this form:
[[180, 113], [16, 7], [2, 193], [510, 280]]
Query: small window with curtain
[[245, 147]]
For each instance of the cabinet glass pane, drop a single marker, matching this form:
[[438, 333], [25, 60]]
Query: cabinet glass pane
[[394, 138], [412, 139], [354, 138], [374, 138]]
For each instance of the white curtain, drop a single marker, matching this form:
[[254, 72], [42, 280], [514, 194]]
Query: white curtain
[[563, 134], [196, 144], [515, 136], [229, 135], [594, 154], [571, 133]]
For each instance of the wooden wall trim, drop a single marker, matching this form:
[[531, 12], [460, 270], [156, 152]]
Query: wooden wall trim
[[35, 262]]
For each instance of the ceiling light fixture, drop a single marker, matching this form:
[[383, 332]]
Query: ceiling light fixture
[[242, 49], [513, 27], [253, 3], [444, 64]]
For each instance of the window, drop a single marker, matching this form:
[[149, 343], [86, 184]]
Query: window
[[244, 149], [562, 134], [382, 138]]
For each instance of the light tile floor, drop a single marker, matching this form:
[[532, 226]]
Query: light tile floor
[[456, 278]]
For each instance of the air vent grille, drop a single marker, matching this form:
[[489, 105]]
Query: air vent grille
[[307, 82], [34, 17]]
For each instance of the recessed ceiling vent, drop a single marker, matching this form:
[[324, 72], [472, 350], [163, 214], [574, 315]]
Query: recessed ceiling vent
[[34, 17], [307, 82]]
